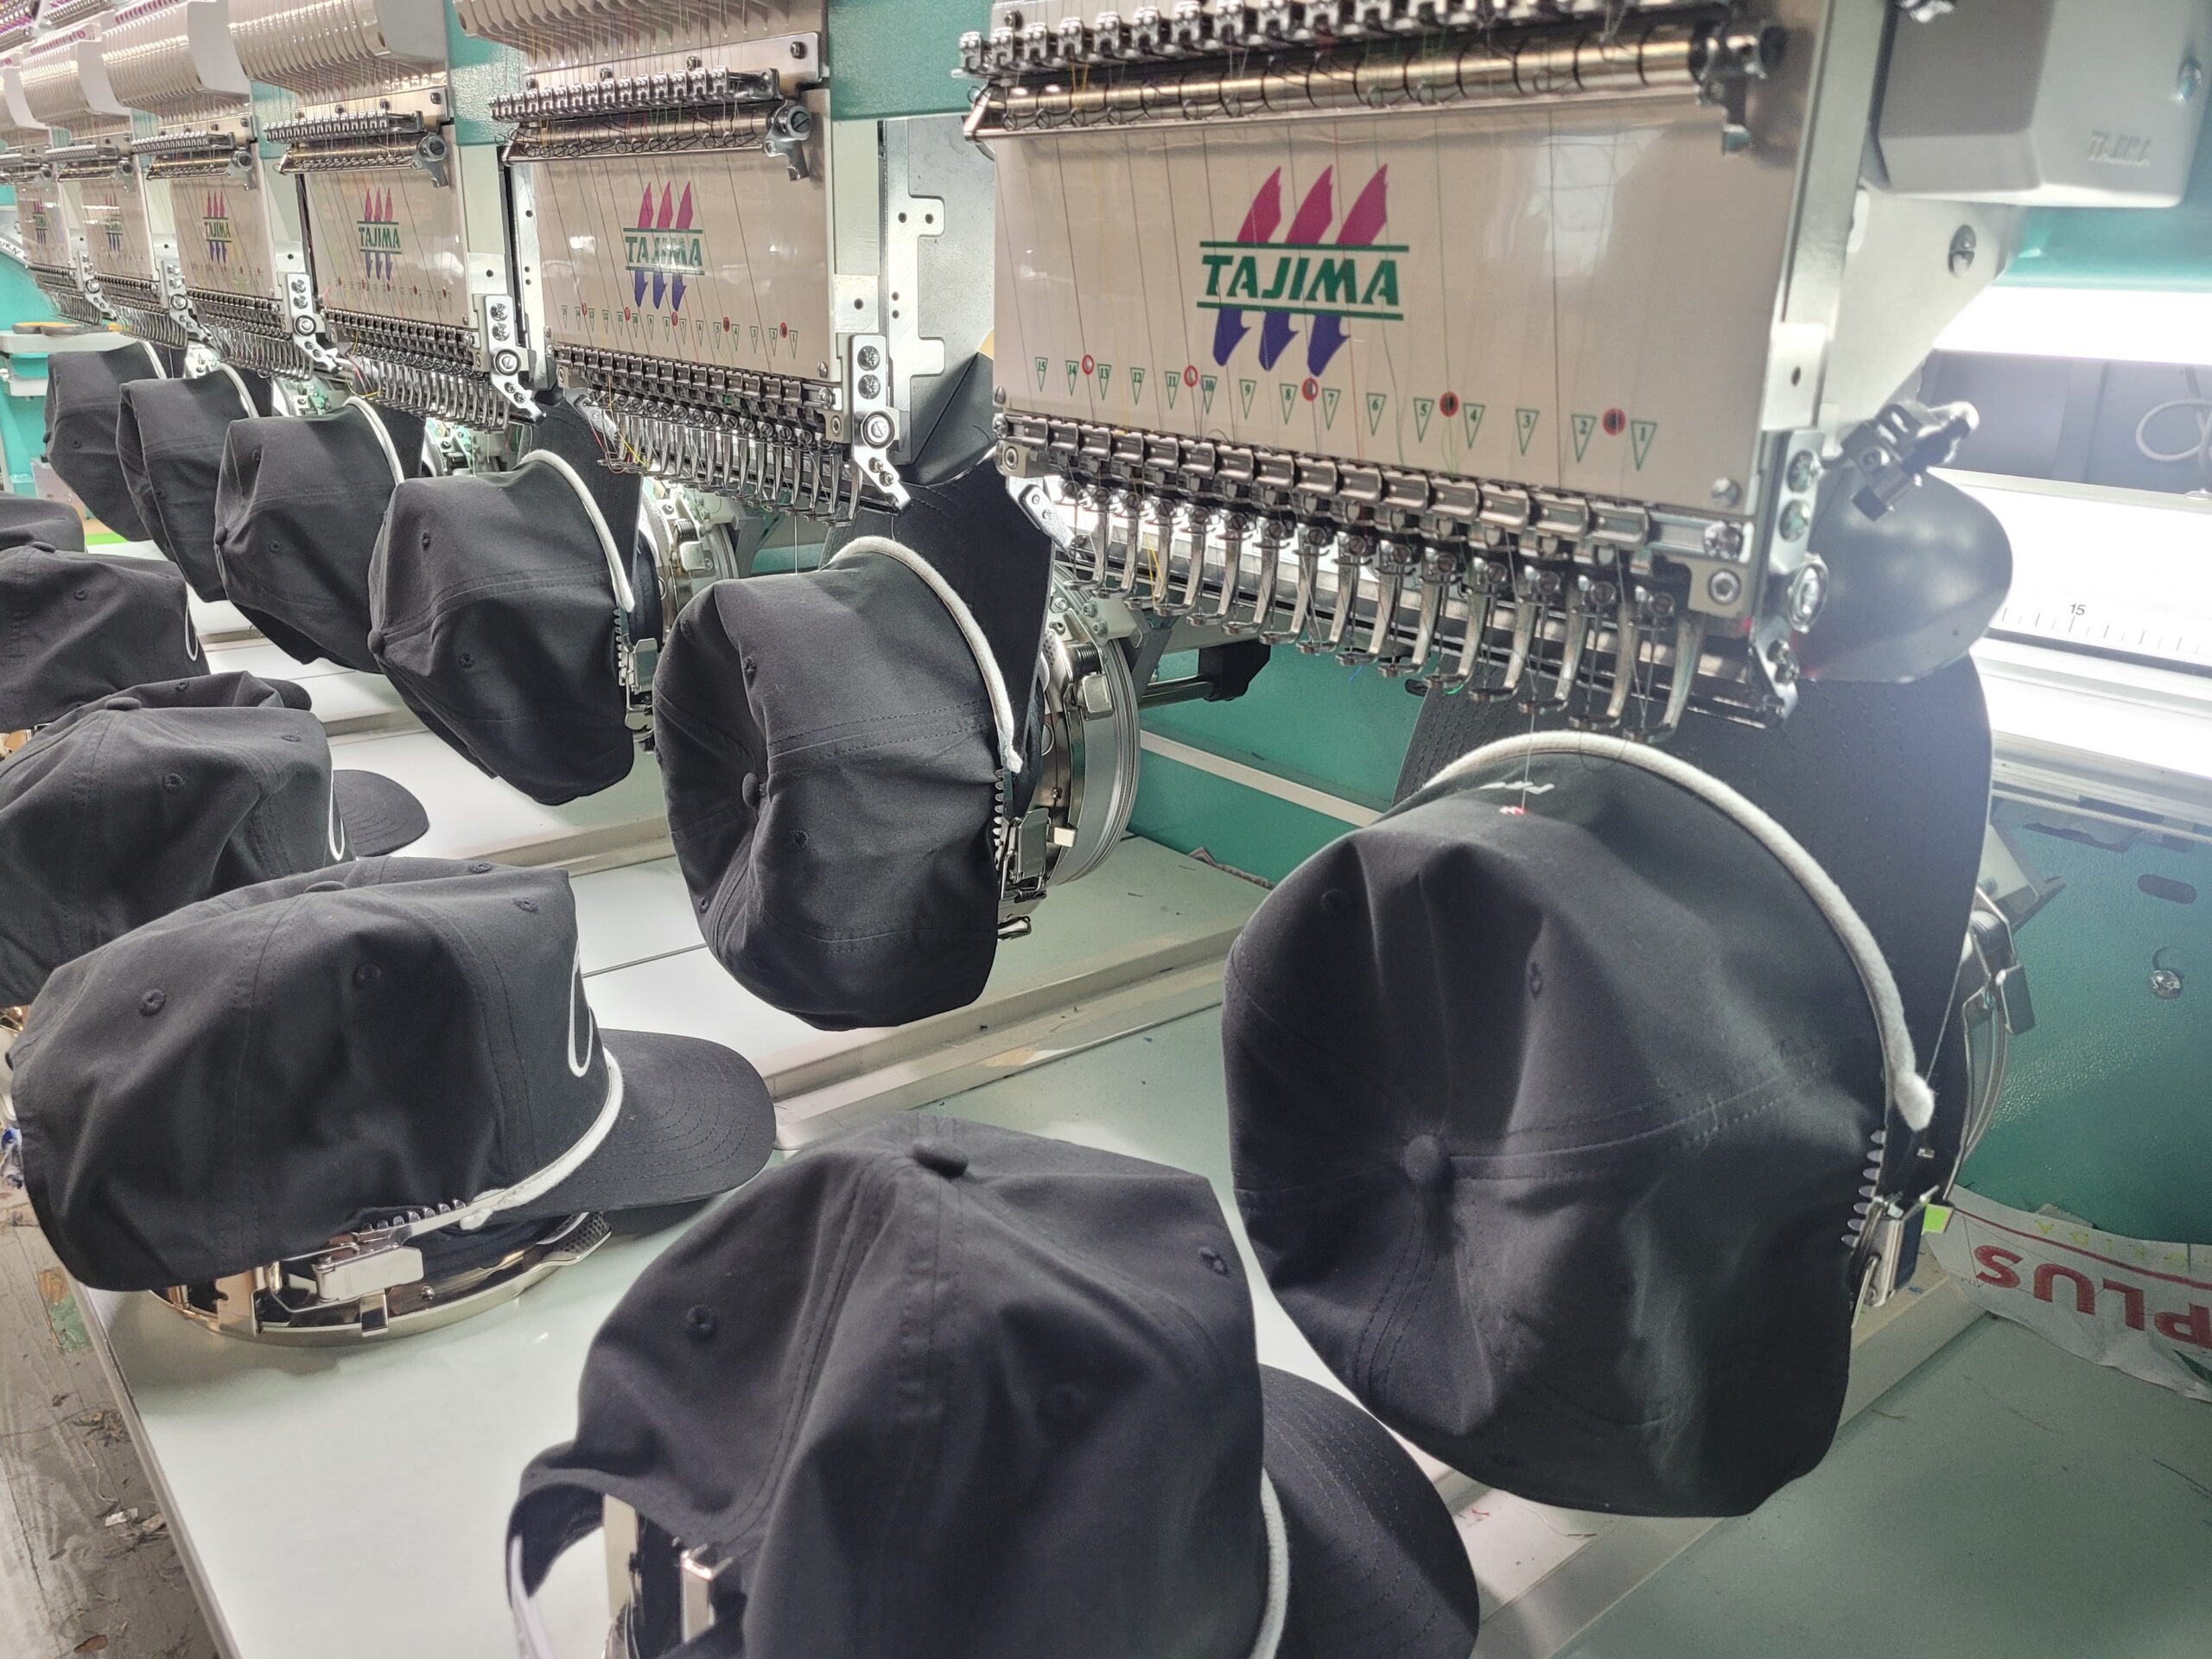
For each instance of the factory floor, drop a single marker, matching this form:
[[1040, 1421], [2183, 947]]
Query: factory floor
[[2005, 1501], [88, 1565]]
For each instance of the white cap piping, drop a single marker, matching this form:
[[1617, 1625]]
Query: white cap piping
[[1914, 1100], [625, 596], [383, 435], [970, 630]]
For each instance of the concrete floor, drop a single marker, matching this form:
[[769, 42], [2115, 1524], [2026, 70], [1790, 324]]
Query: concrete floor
[[87, 1562]]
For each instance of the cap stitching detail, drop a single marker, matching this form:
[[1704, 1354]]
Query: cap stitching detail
[[1795, 1053], [919, 1462], [843, 1266], [247, 1223], [460, 938], [1402, 1272]]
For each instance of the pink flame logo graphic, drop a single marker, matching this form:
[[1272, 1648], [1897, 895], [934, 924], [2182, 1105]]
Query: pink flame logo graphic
[[1363, 226], [662, 249]]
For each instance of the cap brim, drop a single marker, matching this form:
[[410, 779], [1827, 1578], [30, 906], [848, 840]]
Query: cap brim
[[379, 815], [697, 1121], [1377, 1562]]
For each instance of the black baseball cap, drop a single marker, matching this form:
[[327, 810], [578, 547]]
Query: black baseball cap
[[83, 396], [27, 518], [1553, 1094], [493, 600], [169, 436], [1824, 774], [141, 804], [297, 509], [937, 1389], [75, 627], [832, 746], [244, 1080]]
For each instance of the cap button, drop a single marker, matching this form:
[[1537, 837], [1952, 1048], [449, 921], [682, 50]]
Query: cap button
[[376, 642], [948, 1161], [749, 792], [1426, 1164]]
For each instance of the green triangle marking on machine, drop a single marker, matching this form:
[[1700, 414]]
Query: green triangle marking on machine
[[1136, 384], [1206, 384], [1043, 368], [1474, 422], [1075, 373], [1376, 402], [1250, 387], [1423, 408], [1640, 434], [1174, 389], [1529, 418], [1105, 378], [1584, 426], [1289, 394], [1330, 398]]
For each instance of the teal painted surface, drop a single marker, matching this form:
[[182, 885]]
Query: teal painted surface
[[1309, 719], [23, 419], [480, 71], [2107, 1106], [271, 105], [896, 57], [1182, 807], [2083, 247], [2006, 1501]]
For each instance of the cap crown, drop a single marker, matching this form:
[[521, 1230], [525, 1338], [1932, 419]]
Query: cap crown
[[1550, 1094], [75, 627], [169, 440], [494, 618], [83, 393], [941, 1389], [242, 1080], [297, 509], [26, 519], [145, 801], [827, 745]]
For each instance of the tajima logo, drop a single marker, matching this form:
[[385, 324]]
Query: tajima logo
[[378, 230], [215, 219], [1353, 279], [662, 250]]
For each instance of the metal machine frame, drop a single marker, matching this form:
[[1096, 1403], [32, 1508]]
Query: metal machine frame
[[1612, 515], [415, 267]]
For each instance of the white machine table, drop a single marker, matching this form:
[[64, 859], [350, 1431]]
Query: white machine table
[[280, 1467]]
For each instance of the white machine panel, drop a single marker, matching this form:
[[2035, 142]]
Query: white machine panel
[[223, 238], [116, 229], [717, 259], [2062, 104], [387, 243], [46, 235], [1513, 297]]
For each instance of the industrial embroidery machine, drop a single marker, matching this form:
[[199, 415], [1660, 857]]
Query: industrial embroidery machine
[[1502, 347], [62, 83], [1524, 352], [415, 258]]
